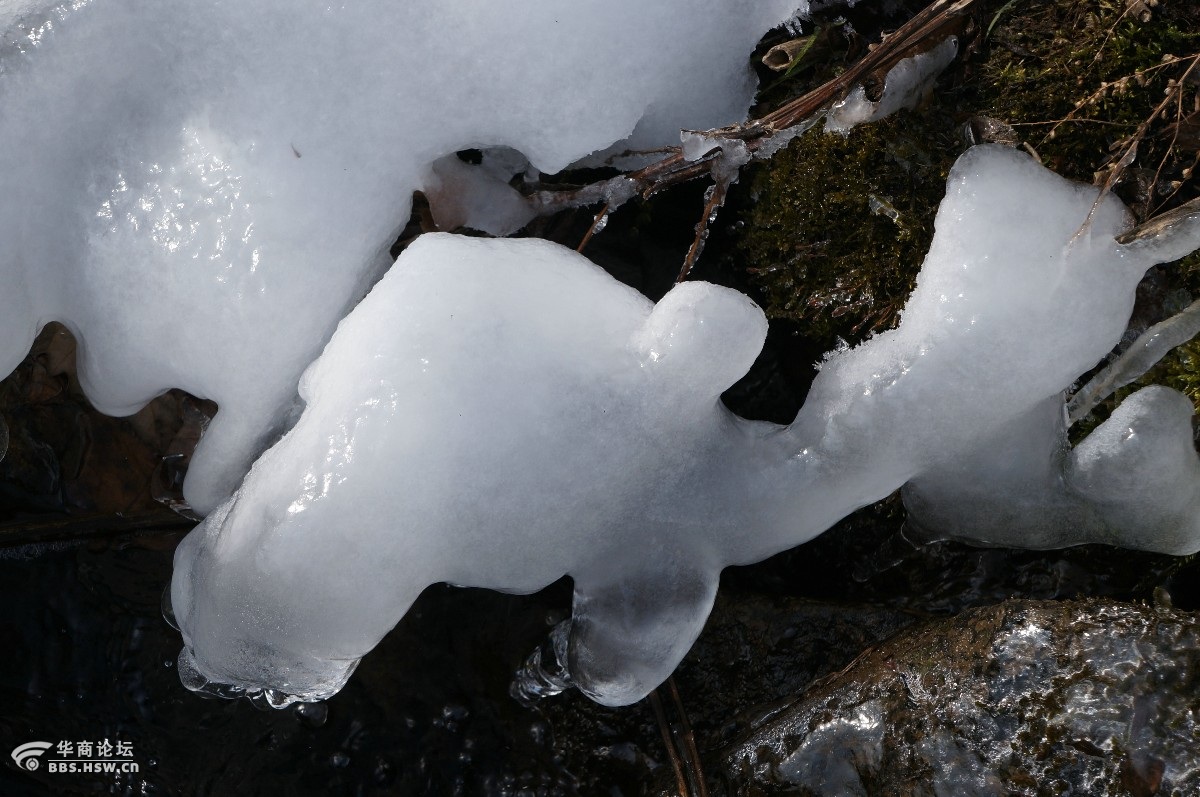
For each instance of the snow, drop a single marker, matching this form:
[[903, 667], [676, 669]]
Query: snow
[[1133, 482], [200, 191], [526, 410]]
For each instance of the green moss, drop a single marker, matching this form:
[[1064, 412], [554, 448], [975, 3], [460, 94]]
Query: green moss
[[820, 256], [1091, 60], [821, 240], [1101, 65]]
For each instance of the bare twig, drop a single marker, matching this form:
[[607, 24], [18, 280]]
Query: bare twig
[[1152, 229], [664, 727], [1106, 86], [689, 741], [598, 223], [712, 205], [760, 137], [1113, 175], [1128, 155], [1177, 90]]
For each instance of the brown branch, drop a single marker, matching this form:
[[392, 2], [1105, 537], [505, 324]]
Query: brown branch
[[716, 198], [1130, 152], [664, 727], [689, 740], [938, 20], [1177, 88], [1155, 227], [598, 224], [759, 138]]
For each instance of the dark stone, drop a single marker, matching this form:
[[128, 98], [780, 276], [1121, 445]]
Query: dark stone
[[1026, 697]]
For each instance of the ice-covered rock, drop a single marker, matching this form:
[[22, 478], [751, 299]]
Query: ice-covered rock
[[989, 701], [500, 413], [202, 189]]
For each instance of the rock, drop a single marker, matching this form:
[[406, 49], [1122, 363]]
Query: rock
[[1026, 697]]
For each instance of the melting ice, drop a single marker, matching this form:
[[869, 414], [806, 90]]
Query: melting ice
[[200, 190], [499, 413]]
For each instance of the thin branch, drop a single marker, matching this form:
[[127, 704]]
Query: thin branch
[[715, 199], [598, 224], [1170, 60], [1113, 175], [758, 139], [1178, 92], [938, 20], [689, 740], [1074, 119], [665, 728]]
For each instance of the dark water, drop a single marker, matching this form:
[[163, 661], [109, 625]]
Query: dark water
[[87, 657]]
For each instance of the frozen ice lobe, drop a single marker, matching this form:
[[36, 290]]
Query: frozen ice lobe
[[202, 189], [499, 413], [1133, 482]]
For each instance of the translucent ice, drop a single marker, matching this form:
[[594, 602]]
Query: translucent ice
[[903, 87], [500, 413], [528, 412], [1133, 482], [201, 189], [478, 195]]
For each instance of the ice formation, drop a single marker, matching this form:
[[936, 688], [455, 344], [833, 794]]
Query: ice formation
[[500, 413], [1133, 482], [903, 87], [200, 190], [478, 196]]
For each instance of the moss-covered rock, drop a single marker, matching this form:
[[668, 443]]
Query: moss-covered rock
[[1078, 78], [840, 225]]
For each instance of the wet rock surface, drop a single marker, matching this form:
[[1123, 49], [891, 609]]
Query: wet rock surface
[[66, 468], [1023, 698], [89, 656]]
